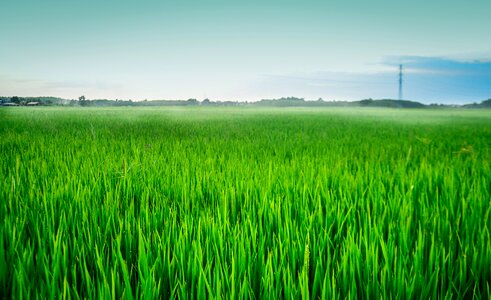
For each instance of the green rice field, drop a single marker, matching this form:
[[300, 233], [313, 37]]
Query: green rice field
[[245, 203]]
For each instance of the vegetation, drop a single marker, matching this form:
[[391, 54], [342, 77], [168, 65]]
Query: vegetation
[[483, 104], [281, 102], [245, 202]]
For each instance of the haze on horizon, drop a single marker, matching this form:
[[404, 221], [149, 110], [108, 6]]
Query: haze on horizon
[[248, 50]]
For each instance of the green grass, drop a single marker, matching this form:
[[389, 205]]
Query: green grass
[[245, 203]]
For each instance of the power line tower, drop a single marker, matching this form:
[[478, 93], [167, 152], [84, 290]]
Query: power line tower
[[400, 82]]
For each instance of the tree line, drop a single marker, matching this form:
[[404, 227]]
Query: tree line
[[280, 102]]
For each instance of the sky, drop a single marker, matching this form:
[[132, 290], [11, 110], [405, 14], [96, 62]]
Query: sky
[[246, 50]]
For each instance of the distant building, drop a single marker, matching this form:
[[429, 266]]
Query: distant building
[[10, 104], [33, 103]]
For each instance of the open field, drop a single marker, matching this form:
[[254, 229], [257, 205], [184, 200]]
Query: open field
[[245, 203]]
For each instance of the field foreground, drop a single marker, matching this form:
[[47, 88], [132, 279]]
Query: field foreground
[[244, 203]]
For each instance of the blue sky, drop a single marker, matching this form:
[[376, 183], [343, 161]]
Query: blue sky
[[246, 50]]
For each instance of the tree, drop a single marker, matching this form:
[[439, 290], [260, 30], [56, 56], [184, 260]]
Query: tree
[[82, 100], [192, 101], [15, 99], [486, 103]]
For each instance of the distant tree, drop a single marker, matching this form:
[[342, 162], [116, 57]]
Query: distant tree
[[15, 99], [366, 101], [206, 101], [486, 103], [82, 101], [192, 101]]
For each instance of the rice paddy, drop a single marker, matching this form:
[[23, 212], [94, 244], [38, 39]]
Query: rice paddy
[[269, 203]]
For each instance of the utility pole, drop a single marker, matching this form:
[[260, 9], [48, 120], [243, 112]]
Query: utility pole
[[400, 82]]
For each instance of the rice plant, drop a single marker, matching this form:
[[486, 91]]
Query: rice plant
[[245, 203]]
